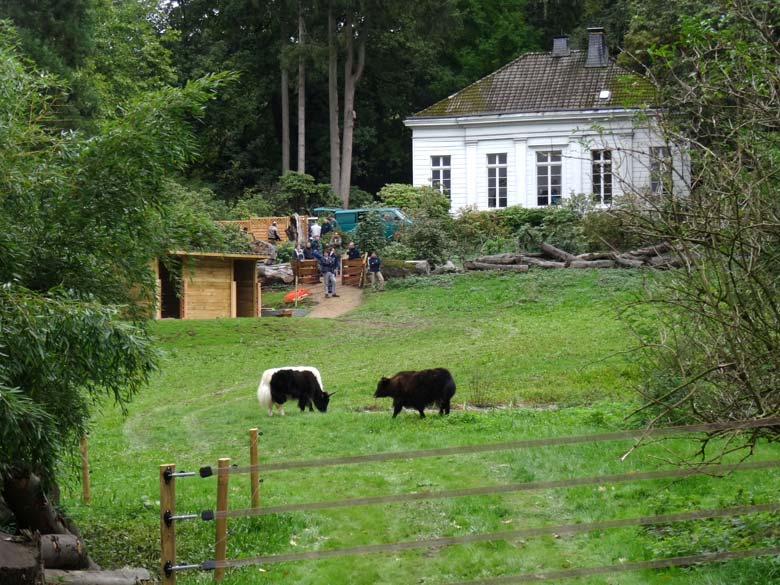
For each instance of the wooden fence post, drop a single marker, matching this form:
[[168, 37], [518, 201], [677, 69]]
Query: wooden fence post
[[222, 504], [85, 492], [254, 476], [167, 528]]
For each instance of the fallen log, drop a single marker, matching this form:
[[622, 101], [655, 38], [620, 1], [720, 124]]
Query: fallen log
[[655, 250], [501, 259], [543, 263], [275, 273], [595, 256], [665, 261], [419, 266], [592, 264], [126, 576], [447, 267], [486, 266], [557, 252], [63, 551], [627, 262]]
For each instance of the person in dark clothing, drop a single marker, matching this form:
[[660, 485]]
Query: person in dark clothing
[[298, 252], [377, 280], [352, 251], [329, 267], [308, 252]]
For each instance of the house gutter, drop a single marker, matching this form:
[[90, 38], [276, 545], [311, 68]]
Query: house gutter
[[498, 118]]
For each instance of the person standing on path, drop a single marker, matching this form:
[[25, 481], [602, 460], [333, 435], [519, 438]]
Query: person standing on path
[[377, 280], [329, 266]]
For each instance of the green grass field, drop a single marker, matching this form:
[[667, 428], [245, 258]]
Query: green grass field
[[534, 355]]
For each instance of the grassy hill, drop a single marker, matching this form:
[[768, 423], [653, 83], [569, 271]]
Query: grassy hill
[[534, 355]]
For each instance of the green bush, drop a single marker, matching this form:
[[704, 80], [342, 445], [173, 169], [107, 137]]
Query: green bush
[[398, 251], [370, 233], [284, 252], [424, 201], [607, 230], [429, 239], [253, 203]]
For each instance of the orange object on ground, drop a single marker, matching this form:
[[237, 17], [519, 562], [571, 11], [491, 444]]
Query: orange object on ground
[[290, 296]]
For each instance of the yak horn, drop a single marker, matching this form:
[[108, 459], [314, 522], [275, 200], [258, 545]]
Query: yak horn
[[330, 394]]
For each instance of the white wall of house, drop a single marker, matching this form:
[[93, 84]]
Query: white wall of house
[[469, 140]]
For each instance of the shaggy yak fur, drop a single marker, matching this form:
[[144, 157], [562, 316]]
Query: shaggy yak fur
[[416, 390], [301, 383]]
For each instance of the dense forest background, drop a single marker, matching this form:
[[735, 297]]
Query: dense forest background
[[405, 56]]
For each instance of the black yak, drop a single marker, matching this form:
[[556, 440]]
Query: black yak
[[301, 383], [417, 390]]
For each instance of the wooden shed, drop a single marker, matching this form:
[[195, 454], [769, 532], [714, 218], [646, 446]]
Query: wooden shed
[[211, 285]]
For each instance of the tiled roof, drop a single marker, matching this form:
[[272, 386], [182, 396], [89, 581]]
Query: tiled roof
[[539, 82]]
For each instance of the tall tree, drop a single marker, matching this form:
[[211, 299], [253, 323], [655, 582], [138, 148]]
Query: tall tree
[[301, 88], [285, 94], [333, 103], [354, 63]]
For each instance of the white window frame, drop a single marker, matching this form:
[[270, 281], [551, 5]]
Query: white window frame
[[546, 167], [660, 170], [601, 176], [441, 173], [498, 183]]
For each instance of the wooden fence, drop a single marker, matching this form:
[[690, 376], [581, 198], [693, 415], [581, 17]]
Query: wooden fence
[[307, 271], [353, 272], [168, 516], [258, 226]]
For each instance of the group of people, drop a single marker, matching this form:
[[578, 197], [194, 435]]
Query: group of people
[[329, 263], [329, 258]]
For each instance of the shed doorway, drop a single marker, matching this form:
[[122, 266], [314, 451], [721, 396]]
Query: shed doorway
[[170, 287]]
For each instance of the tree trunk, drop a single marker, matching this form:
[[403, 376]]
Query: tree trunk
[[543, 263], [19, 562], [507, 258], [333, 104], [352, 74], [285, 106], [301, 93], [592, 264], [557, 252], [485, 266], [31, 508], [275, 273], [63, 551], [126, 576]]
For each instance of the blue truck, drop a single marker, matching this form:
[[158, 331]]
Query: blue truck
[[393, 218]]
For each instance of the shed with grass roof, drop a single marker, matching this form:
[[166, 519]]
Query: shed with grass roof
[[207, 285]]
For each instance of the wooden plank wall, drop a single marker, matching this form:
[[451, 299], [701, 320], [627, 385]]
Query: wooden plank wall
[[259, 226], [307, 271], [208, 288], [352, 271]]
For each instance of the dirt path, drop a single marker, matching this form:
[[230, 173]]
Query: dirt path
[[349, 298]]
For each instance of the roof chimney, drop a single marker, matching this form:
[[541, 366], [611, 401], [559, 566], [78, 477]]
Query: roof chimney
[[598, 54], [560, 47]]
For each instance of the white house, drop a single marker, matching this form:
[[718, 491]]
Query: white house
[[543, 127]]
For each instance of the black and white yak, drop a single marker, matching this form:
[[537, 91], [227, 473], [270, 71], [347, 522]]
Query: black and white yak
[[301, 383], [416, 390]]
